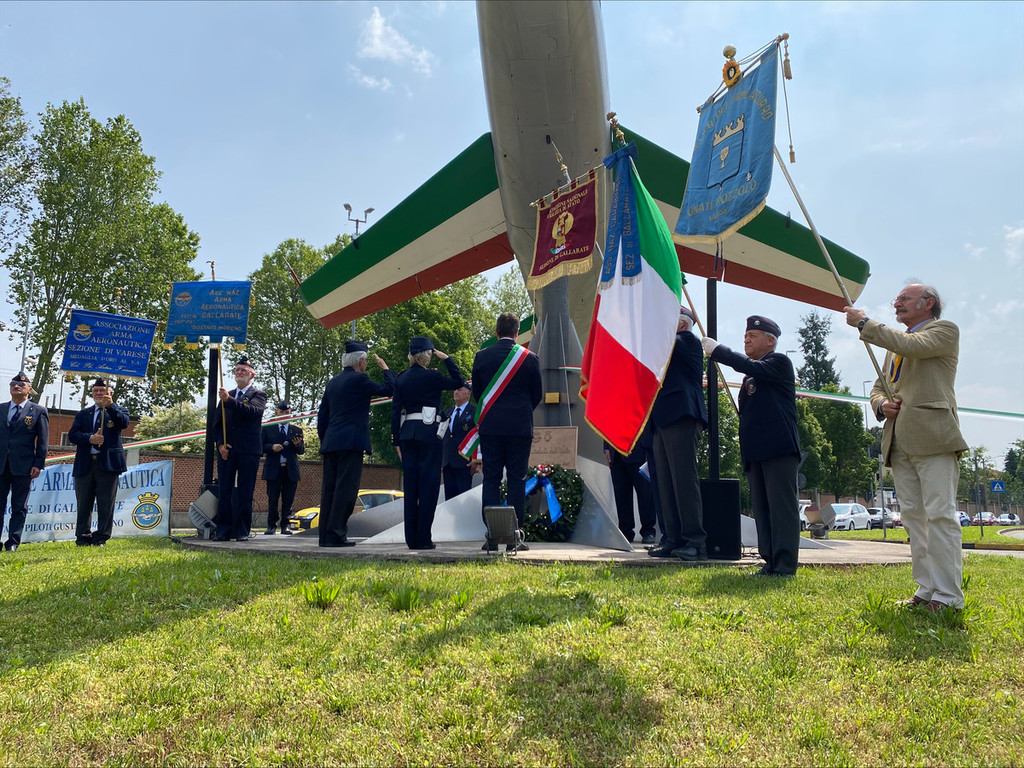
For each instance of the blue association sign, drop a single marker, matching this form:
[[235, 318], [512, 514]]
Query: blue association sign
[[998, 486], [108, 345], [215, 309]]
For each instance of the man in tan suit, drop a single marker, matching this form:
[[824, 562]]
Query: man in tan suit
[[921, 438]]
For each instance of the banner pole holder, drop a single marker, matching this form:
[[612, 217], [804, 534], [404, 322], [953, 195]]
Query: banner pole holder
[[831, 265]]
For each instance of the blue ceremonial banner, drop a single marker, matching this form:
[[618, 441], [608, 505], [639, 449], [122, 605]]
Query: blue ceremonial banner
[[107, 345], [731, 170], [216, 308], [142, 505]]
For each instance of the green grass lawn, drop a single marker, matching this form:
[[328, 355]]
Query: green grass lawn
[[972, 534], [144, 653]]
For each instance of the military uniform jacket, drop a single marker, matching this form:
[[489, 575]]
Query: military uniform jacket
[[927, 424], [290, 452], [511, 414], [343, 421], [681, 393], [452, 440], [111, 454], [24, 442], [415, 388], [767, 405], [244, 419]]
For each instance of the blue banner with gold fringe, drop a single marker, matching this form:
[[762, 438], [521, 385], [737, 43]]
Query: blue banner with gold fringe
[[731, 169], [108, 345]]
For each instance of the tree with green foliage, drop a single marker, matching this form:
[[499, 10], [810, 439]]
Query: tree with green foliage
[[99, 242], [17, 169], [508, 294], [850, 469], [818, 369], [294, 354], [178, 419], [814, 444]]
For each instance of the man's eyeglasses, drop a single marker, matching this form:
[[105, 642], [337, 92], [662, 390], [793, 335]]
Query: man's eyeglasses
[[904, 298]]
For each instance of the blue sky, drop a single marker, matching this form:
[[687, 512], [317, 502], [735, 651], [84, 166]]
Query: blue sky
[[266, 117]]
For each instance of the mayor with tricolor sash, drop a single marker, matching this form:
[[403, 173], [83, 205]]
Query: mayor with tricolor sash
[[507, 388]]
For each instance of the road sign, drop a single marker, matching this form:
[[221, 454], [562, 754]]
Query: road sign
[[998, 486]]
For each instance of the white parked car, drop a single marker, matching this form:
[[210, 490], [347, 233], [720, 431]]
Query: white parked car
[[1008, 519], [804, 504], [851, 517]]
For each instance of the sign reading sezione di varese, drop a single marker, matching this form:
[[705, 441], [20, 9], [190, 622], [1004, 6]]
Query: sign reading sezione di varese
[[215, 308], [108, 345]]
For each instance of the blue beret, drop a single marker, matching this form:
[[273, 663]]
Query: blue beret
[[283, 406], [354, 346], [21, 378], [419, 344], [244, 362], [758, 323]]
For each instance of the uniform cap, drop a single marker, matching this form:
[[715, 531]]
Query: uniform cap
[[758, 323]]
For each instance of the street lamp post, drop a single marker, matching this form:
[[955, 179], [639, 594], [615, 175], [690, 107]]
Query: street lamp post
[[358, 221]]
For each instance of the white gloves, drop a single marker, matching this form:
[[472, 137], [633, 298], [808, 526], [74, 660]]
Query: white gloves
[[709, 345]]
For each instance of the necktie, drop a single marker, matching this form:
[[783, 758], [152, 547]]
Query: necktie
[[455, 417], [284, 433], [15, 413]]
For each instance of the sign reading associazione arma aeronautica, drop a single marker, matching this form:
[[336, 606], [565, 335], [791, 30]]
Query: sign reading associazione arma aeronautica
[[142, 506], [103, 344], [731, 170], [215, 308]]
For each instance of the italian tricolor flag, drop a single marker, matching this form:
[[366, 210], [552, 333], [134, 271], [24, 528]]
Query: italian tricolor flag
[[635, 314]]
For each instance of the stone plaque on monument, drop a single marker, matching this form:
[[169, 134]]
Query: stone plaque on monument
[[554, 445]]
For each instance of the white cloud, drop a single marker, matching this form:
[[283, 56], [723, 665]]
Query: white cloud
[[1014, 239], [974, 252], [368, 81], [379, 40]]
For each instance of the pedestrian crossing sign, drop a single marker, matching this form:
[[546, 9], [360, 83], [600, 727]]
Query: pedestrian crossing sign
[[998, 486]]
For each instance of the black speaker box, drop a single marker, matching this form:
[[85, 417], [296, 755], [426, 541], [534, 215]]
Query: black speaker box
[[721, 504]]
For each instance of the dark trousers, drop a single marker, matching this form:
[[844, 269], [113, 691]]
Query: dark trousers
[[338, 494], [284, 489], [234, 503], [421, 475], [626, 478], [17, 486], [509, 455], [773, 495], [456, 480], [100, 487], [675, 454]]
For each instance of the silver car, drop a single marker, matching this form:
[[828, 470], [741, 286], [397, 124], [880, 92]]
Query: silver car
[[851, 517]]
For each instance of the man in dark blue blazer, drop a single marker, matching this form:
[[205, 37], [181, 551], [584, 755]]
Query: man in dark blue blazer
[[769, 442], [283, 444], [506, 431], [240, 445], [456, 468], [24, 433], [679, 416], [99, 460], [343, 424]]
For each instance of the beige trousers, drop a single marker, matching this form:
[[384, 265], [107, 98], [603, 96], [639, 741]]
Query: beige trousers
[[926, 489]]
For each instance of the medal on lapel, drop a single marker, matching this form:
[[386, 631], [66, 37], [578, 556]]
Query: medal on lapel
[[28, 420], [110, 423]]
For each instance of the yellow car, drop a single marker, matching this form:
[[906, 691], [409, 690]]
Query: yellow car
[[368, 497]]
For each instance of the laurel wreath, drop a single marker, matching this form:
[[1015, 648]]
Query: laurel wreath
[[568, 487], [731, 73]]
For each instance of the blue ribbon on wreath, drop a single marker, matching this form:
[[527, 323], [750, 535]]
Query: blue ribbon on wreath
[[554, 508]]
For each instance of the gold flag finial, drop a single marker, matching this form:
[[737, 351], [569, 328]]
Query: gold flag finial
[[619, 135]]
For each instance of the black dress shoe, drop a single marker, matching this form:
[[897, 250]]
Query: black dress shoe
[[489, 546], [345, 543], [99, 543], [428, 545], [272, 531], [662, 550], [12, 547], [690, 554], [286, 531], [218, 537]]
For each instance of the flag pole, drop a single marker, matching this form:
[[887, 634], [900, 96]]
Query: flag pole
[[831, 265], [700, 327]]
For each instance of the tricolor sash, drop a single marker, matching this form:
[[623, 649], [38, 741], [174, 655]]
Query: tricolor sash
[[470, 446]]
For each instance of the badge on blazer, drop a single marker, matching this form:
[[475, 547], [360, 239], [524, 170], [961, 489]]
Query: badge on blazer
[[750, 385], [28, 420], [110, 423]]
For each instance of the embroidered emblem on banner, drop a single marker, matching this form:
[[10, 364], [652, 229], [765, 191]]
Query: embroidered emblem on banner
[[566, 232]]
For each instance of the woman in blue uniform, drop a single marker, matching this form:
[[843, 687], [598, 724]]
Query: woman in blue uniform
[[415, 419]]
